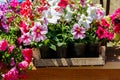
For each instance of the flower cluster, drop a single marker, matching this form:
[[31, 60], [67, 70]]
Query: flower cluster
[[58, 22], [51, 23], [115, 19], [14, 59]]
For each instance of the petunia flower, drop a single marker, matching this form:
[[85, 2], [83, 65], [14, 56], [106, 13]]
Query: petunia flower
[[12, 63], [3, 45], [10, 49], [52, 15], [91, 11], [78, 32], [100, 14], [27, 54], [68, 16], [63, 3], [11, 75], [85, 21], [53, 2], [101, 33], [26, 38], [14, 3], [23, 27], [82, 3], [23, 65], [38, 32], [105, 23]]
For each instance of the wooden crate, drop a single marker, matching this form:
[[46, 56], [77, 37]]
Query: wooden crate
[[38, 62]]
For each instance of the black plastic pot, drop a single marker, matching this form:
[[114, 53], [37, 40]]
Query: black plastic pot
[[92, 50], [75, 50], [61, 51], [47, 53]]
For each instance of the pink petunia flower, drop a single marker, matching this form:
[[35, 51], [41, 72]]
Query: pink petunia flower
[[100, 13], [10, 49], [26, 38], [78, 32], [38, 32], [11, 75], [12, 63], [82, 3], [27, 54], [3, 45], [19, 40], [23, 27], [101, 33], [23, 65]]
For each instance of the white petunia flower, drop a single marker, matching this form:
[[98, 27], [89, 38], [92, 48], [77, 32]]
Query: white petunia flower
[[53, 2], [52, 15], [68, 16], [85, 21], [92, 12]]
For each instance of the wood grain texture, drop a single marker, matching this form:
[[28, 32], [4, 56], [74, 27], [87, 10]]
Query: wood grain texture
[[73, 73]]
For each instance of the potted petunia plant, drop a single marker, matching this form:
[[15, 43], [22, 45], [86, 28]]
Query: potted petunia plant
[[92, 29]]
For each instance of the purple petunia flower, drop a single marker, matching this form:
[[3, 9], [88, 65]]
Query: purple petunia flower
[[3, 21]]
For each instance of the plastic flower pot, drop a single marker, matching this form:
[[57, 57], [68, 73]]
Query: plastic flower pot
[[92, 50], [75, 50], [47, 53], [61, 51]]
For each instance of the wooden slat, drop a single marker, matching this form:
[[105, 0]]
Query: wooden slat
[[107, 7], [73, 73], [101, 2]]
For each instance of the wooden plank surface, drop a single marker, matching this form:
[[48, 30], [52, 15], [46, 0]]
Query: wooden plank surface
[[107, 72]]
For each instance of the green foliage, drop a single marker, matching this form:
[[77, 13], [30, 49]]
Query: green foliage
[[16, 54], [11, 36]]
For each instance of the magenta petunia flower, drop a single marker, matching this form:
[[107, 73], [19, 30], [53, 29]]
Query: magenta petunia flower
[[23, 27], [26, 38], [23, 65], [82, 3], [3, 45], [105, 23], [12, 63], [78, 32], [63, 3], [109, 35], [38, 32], [27, 54], [116, 28], [11, 75], [14, 3], [101, 33], [10, 49]]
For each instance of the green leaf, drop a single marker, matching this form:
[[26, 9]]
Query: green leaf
[[60, 44], [53, 47], [46, 41]]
